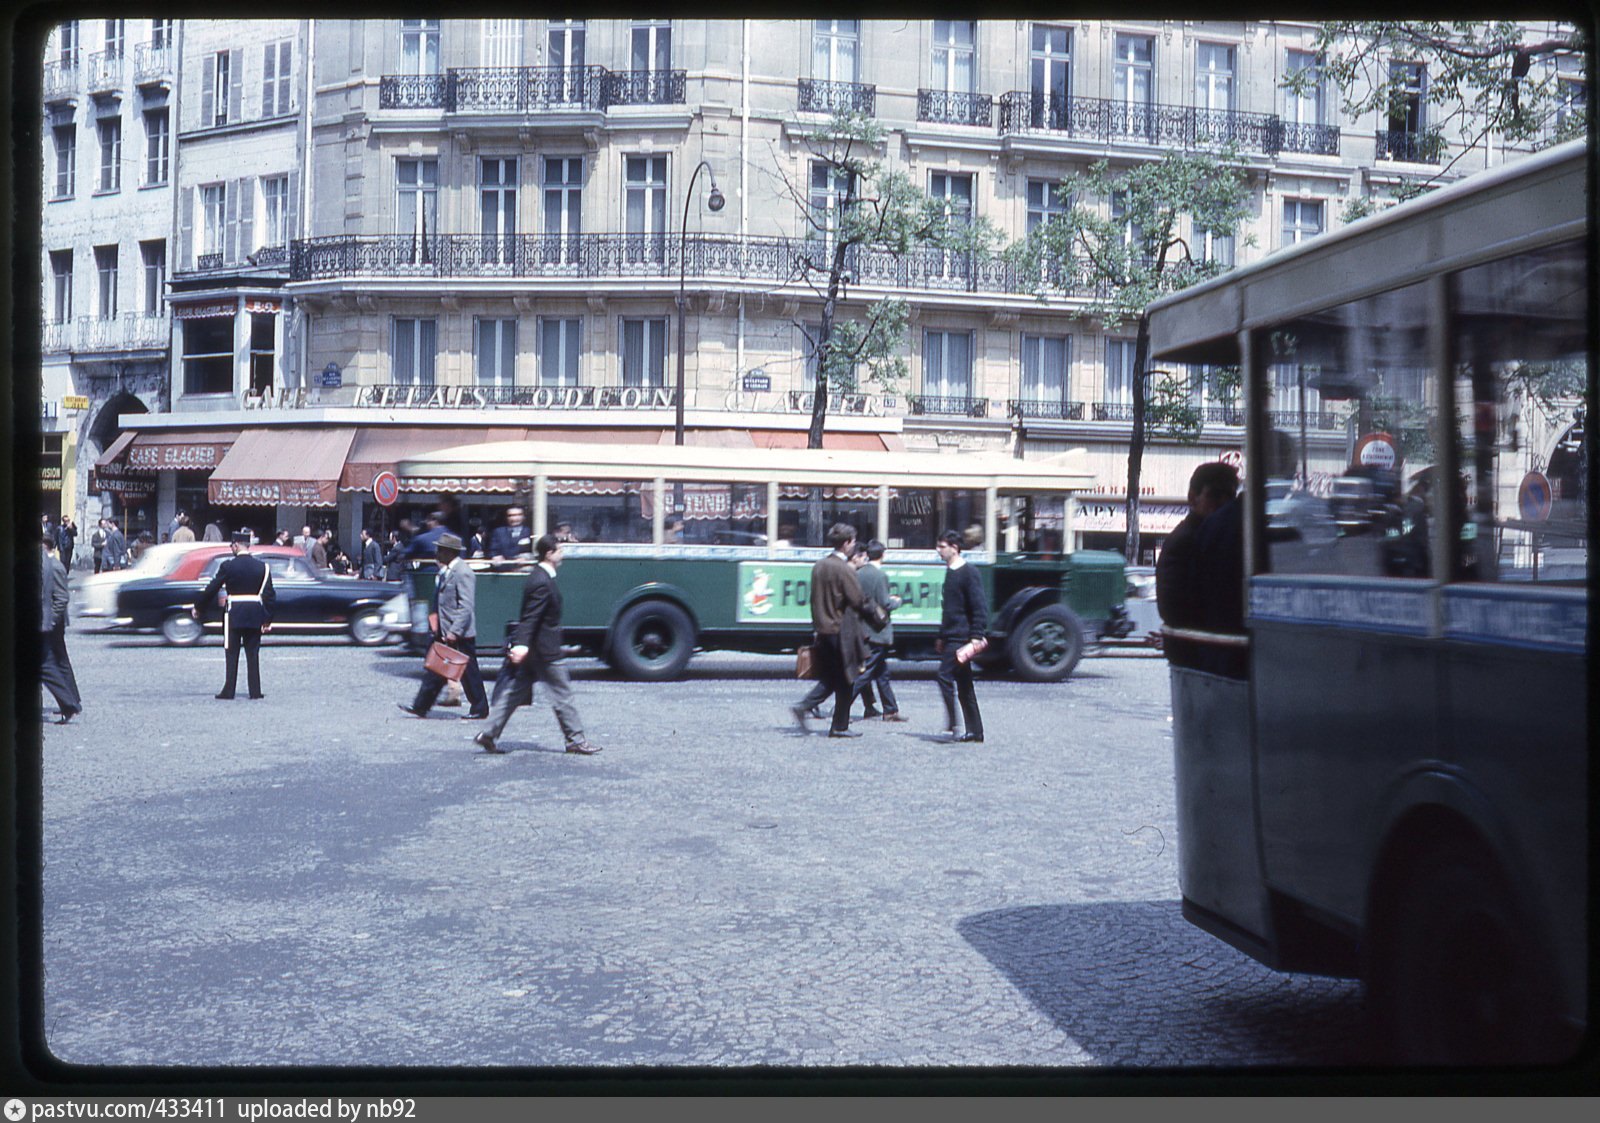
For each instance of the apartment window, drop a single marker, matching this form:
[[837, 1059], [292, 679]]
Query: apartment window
[[110, 129], [835, 49], [208, 355], [1120, 355], [1405, 112], [812, 337], [116, 36], [497, 352], [1302, 219], [955, 189], [419, 46], [414, 351], [1572, 91], [105, 267], [66, 138], [1044, 367], [646, 187], [947, 364], [160, 33], [61, 286], [829, 188], [277, 70], [559, 344], [644, 352], [213, 217], [502, 43], [1217, 247], [955, 55], [1050, 67], [565, 41], [1213, 76], [157, 146], [652, 45], [417, 197], [563, 195], [1134, 69], [1306, 108], [217, 94], [1045, 203], [154, 257], [497, 196], [275, 210], [1132, 232], [68, 54]]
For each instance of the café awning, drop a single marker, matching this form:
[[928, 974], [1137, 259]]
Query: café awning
[[272, 467], [113, 454]]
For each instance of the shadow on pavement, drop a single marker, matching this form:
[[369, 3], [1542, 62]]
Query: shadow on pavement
[[1136, 985]]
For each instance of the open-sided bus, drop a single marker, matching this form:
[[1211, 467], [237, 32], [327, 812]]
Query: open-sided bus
[[1398, 786], [677, 547]]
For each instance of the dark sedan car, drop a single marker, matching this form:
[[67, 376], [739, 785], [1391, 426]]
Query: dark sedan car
[[307, 601]]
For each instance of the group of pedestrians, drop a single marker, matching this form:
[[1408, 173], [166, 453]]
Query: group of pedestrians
[[851, 607]]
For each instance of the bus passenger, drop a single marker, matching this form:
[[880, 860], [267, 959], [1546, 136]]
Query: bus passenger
[[1179, 597], [511, 540]]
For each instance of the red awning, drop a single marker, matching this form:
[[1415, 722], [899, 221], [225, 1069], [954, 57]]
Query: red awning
[[114, 453], [272, 467]]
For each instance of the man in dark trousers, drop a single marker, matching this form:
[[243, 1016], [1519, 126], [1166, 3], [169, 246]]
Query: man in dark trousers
[[248, 613], [1179, 598], [455, 603], [55, 668], [533, 654], [875, 671], [837, 608], [371, 557], [965, 619], [115, 550]]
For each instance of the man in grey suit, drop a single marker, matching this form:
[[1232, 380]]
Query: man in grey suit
[[115, 552], [55, 668], [456, 604], [875, 671]]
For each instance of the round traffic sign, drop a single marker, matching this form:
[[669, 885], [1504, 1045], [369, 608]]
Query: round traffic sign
[[1533, 497], [386, 488], [1378, 450]]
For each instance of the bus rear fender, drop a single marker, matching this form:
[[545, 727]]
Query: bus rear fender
[[654, 590]]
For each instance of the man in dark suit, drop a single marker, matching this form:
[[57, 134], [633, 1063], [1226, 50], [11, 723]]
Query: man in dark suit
[[371, 557], [964, 619], [55, 668], [510, 540], [115, 551], [837, 607], [1179, 597], [248, 613], [455, 604], [533, 654]]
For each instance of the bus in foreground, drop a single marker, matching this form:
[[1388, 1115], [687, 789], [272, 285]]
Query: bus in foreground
[[1397, 787], [674, 548]]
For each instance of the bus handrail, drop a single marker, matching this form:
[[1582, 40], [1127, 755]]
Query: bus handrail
[[1195, 635]]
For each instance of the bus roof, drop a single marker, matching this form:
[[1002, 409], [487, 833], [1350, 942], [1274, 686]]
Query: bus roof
[[1453, 227], [523, 460]]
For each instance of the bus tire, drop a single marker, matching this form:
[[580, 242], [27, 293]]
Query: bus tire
[[1453, 975], [1046, 645], [651, 641]]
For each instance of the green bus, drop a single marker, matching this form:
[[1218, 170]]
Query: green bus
[[676, 548]]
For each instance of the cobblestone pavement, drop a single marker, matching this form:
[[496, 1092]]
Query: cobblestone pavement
[[317, 878]]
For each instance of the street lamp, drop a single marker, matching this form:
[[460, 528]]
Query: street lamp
[[715, 202]]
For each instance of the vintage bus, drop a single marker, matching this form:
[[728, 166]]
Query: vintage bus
[[1393, 782], [673, 548]]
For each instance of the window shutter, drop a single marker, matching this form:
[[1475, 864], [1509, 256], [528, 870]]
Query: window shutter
[[269, 80], [285, 76], [208, 95], [291, 212], [247, 217], [236, 87], [230, 221], [185, 228]]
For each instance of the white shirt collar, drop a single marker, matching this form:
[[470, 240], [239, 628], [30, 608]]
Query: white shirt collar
[[548, 568], [957, 561]]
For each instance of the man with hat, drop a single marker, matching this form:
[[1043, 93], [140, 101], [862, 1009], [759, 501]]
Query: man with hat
[[455, 603], [248, 613]]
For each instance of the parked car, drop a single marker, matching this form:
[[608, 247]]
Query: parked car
[[98, 597], [307, 601]]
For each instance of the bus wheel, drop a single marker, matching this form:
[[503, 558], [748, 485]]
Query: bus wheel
[[1047, 645], [1452, 974], [652, 641]]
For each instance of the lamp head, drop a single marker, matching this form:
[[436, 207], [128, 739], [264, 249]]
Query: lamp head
[[715, 199]]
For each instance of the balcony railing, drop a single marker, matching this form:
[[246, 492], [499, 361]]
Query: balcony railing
[[1413, 148], [57, 337], [837, 97], [105, 71], [204, 261], [1312, 140], [1044, 410], [271, 256], [953, 107], [152, 62], [132, 331], [531, 89], [412, 91], [945, 405], [1111, 411], [60, 80], [1104, 119], [620, 256], [644, 87], [1288, 420]]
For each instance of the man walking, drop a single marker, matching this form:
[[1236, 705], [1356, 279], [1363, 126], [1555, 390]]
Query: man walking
[[965, 619], [837, 608], [371, 557], [248, 583], [66, 540], [184, 532], [115, 551], [874, 677], [55, 668], [97, 545], [534, 655], [455, 603]]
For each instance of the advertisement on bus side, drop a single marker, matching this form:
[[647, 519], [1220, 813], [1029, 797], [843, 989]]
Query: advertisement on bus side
[[780, 592]]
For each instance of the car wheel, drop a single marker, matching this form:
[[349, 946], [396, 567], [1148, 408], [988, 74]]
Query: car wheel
[[1047, 645], [181, 629], [651, 641], [366, 628]]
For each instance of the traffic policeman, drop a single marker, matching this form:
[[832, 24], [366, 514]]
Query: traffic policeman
[[247, 613]]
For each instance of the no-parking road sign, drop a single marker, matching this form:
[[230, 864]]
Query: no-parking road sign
[[386, 488]]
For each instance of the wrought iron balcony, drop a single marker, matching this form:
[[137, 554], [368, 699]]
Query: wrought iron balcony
[[60, 80], [1411, 147], [1044, 410], [1288, 420], [1312, 140], [952, 107], [1104, 119], [644, 87], [132, 331], [526, 89], [837, 97], [1220, 415], [1112, 411], [271, 256], [412, 91], [57, 337], [945, 405], [152, 62], [105, 71], [204, 261]]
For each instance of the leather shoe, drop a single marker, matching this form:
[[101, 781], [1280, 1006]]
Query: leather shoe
[[487, 743], [254, 697], [475, 717], [894, 715], [816, 712], [65, 717], [971, 738], [871, 712], [583, 748], [412, 710], [800, 714], [226, 697], [844, 733]]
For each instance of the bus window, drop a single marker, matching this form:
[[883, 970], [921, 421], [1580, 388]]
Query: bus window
[[1348, 449], [806, 513], [1520, 348], [917, 516], [716, 514], [601, 510]]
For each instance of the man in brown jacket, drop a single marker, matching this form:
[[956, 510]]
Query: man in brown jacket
[[837, 606]]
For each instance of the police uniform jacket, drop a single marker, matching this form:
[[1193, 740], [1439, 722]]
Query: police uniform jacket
[[538, 627], [246, 578]]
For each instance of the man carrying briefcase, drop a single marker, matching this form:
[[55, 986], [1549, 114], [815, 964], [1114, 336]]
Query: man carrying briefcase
[[456, 601]]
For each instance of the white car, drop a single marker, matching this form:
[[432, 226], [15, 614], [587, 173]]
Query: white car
[[99, 593]]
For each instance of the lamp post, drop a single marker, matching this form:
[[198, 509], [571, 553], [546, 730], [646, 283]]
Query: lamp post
[[714, 201]]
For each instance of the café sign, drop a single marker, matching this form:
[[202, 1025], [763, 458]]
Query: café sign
[[293, 493], [175, 456]]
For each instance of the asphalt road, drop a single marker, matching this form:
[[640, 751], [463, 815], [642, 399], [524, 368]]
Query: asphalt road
[[318, 879]]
